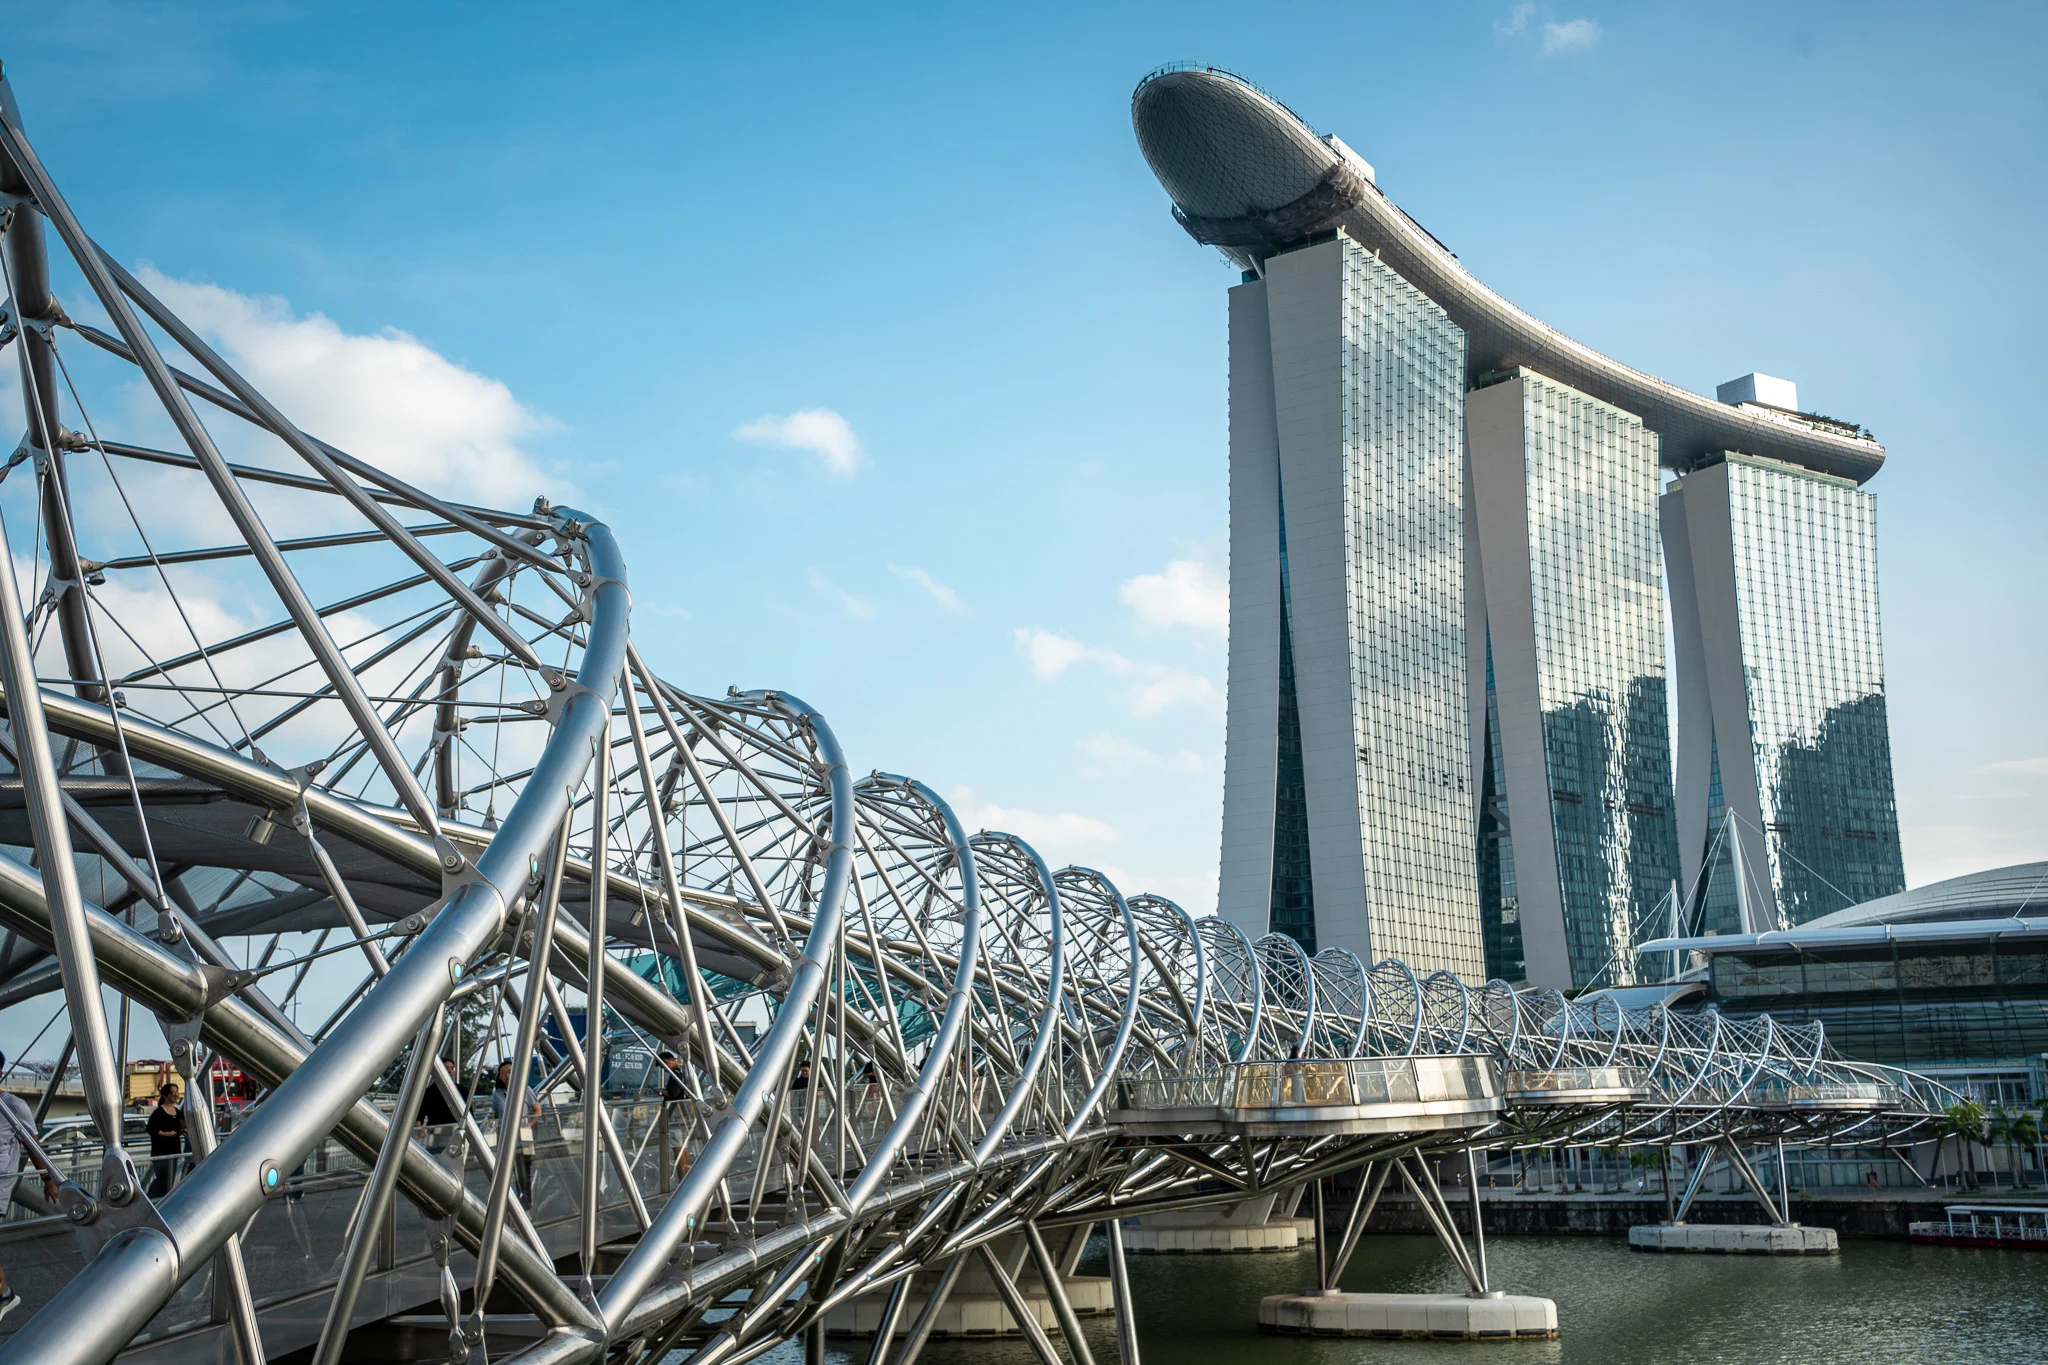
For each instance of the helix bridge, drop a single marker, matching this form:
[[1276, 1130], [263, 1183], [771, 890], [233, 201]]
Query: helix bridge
[[355, 789]]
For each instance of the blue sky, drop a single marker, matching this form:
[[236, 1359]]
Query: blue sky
[[619, 256]]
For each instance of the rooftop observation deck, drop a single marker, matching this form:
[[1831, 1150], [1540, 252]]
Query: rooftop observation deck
[[1250, 177]]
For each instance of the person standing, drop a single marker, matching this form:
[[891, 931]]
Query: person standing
[[501, 1092], [1291, 1085], [674, 1089], [166, 1128]]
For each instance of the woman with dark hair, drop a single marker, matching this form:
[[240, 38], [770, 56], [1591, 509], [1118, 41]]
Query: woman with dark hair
[[166, 1128]]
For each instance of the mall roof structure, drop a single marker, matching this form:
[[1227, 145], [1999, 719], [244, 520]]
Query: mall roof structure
[[1989, 904]]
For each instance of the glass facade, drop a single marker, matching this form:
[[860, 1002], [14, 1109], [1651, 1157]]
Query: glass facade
[[1596, 594], [1911, 1005], [1805, 553], [1293, 908], [1403, 393], [1500, 911]]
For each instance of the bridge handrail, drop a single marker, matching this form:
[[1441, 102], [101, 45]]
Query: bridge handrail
[[1317, 1082]]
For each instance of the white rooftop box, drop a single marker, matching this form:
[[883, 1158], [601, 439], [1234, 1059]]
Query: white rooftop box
[[1760, 388]]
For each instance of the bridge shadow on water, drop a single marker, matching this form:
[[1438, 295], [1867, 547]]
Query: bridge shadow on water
[[1877, 1302]]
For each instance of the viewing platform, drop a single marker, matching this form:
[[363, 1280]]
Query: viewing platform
[[1349, 1095], [1364, 1095]]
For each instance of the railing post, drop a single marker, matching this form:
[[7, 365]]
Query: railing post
[[668, 1155]]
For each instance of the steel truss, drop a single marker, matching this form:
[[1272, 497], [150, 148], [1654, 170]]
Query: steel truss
[[305, 727]]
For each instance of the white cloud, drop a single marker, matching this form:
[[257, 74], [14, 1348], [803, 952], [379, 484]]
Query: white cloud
[[1052, 654], [2025, 767], [1517, 22], [1573, 35], [1194, 892], [1114, 756], [1153, 687], [1170, 687], [1050, 834], [1189, 593], [857, 607], [821, 431], [387, 398], [939, 592]]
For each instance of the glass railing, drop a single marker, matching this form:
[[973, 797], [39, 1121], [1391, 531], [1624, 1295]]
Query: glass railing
[[1574, 1079], [1315, 1083], [1822, 1094]]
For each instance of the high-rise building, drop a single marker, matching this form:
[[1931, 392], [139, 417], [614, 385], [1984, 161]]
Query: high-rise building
[[1347, 784], [1578, 847], [1786, 807], [1447, 678]]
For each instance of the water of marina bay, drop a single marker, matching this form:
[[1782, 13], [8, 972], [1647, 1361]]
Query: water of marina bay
[[1879, 1301]]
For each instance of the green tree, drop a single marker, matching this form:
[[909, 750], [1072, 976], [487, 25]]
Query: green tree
[[1963, 1121], [1998, 1132], [2018, 1130], [474, 1021], [1639, 1157]]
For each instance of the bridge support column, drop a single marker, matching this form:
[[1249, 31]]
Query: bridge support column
[[1779, 1237], [1484, 1313], [1126, 1307]]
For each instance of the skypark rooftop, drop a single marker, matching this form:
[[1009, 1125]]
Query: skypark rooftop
[[1250, 177]]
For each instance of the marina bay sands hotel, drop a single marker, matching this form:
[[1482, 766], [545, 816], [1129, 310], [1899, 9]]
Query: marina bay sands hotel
[[1455, 534]]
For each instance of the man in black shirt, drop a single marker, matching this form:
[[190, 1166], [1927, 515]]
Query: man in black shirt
[[166, 1127], [673, 1087]]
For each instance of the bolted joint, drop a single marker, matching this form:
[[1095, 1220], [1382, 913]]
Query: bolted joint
[[450, 856]]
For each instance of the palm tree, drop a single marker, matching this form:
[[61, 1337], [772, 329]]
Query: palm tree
[[1998, 1129], [2025, 1132], [1963, 1121]]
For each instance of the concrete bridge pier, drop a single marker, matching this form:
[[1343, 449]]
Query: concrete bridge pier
[[1266, 1222], [974, 1301], [1780, 1237], [1483, 1313]]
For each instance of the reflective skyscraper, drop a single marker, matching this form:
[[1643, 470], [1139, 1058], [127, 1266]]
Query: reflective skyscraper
[[1391, 764], [1347, 786], [1785, 790], [1578, 847]]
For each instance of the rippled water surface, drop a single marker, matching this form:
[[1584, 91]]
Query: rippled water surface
[[1877, 1302]]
